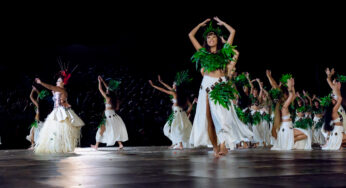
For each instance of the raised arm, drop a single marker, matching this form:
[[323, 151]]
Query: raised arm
[[104, 83], [336, 90], [248, 79], [272, 82], [192, 34], [32, 96], [261, 89], [190, 107], [291, 93], [232, 64], [48, 86], [330, 73], [307, 96], [314, 97], [229, 28], [161, 89], [164, 84], [101, 89]]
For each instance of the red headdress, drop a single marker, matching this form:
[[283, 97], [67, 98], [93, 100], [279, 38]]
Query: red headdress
[[64, 70]]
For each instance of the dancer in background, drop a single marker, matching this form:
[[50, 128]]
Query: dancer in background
[[38, 123], [112, 128], [317, 111], [61, 130], [178, 127], [333, 123]]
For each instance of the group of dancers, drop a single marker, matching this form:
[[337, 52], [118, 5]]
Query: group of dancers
[[59, 132], [232, 110]]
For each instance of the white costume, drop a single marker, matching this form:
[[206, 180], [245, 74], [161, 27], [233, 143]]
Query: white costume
[[115, 129], [61, 130], [228, 127], [304, 144], [334, 138], [35, 131], [180, 128], [285, 136]]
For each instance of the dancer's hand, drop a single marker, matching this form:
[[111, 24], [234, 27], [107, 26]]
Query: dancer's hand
[[159, 77], [290, 82], [223, 40], [37, 80], [195, 101], [329, 72], [247, 75], [297, 93], [99, 78], [268, 72], [34, 88], [219, 22], [313, 97], [204, 23], [151, 83]]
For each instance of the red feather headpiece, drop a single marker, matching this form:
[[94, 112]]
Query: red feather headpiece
[[64, 70]]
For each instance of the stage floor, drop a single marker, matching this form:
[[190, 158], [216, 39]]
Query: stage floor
[[160, 167]]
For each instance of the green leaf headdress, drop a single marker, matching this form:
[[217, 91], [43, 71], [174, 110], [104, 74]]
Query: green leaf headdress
[[341, 78], [326, 101], [210, 29], [113, 85], [275, 94], [242, 80], [284, 78], [44, 93], [182, 77]]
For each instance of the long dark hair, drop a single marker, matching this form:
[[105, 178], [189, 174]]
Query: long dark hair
[[328, 118], [219, 42], [113, 98], [244, 100], [182, 95]]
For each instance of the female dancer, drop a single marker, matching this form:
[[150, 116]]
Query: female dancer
[[255, 113], [333, 124], [37, 125], [283, 128], [112, 128], [212, 118], [302, 123], [61, 130], [317, 111], [178, 127]]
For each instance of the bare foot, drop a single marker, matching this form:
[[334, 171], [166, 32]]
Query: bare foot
[[93, 146], [178, 147], [223, 152], [245, 145], [216, 152], [31, 148], [121, 147], [171, 147]]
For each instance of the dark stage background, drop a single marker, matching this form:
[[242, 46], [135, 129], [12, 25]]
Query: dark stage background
[[137, 47]]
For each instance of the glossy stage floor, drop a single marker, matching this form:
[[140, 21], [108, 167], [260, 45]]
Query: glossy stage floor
[[160, 167]]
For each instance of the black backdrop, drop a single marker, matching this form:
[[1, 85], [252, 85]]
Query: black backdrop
[[150, 43]]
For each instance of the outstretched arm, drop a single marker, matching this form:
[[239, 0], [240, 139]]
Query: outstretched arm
[[272, 82], [330, 73], [336, 90], [192, 34], [291, 93], [248, 79], [161, 89], [261, 89], [307, 96], [229, 28], [32, 97], [101, 89], [48, 86], [232, 64], [164, 84]]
